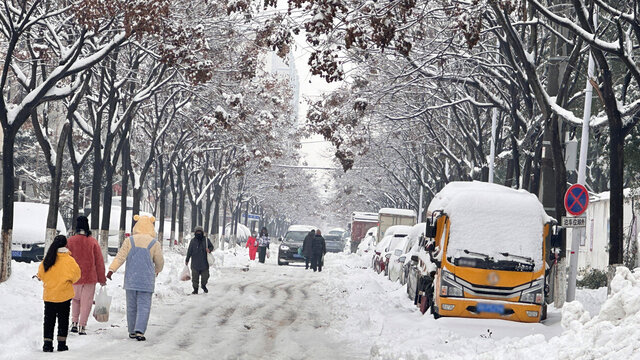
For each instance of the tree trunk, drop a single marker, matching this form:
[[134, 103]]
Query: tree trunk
[[125, 190], [54, 194], [174, 215], [8, 178], [616, 206], [163, 202], [96, 184], [217, 195], [76, 197], [183, 199]]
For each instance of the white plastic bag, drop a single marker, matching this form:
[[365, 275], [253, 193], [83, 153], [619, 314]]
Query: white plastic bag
[[210, 260], [103, 303], [185, 275]]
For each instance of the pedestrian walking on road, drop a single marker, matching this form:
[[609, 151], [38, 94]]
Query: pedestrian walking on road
[[319, 249], [263, 244], [86, 252], [58, 271], [252, 244], [307, 248], [143, 255], [199, 247]]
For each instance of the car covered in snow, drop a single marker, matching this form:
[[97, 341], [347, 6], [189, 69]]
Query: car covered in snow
[[368, 243], [488, 245], [334, 243], [394, 235], [290, 249], [29, 230], [400, 259]]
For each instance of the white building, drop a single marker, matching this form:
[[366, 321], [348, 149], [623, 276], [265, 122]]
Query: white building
[[594, 247], [286, 69]]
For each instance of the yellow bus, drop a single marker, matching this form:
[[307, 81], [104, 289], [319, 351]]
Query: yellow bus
[[485, 256]]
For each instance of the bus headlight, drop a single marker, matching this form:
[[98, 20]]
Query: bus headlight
[[533, 296], [448, 286]]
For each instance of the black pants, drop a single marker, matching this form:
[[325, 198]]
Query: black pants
[[316, 262], [262, 253], [202, 275], [307, 260], [53, 311]]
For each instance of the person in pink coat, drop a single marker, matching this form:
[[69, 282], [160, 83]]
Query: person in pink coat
[[85, 250], [252, 244]]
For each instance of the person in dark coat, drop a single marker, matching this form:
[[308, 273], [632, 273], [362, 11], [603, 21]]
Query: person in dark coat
[[198, 254], [263, 245], [307, 248], [319, 249]]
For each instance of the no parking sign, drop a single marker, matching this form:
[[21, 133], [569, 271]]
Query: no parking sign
[[576, 200]]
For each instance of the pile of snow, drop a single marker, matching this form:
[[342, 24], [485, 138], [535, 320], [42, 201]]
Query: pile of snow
[[612, 334], [492, 219]]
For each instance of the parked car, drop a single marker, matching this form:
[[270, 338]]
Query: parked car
[[291, 242], [337, 231], [394, 234], [399, 257], [368, 243], [334, 243], [400, 263], [377, 263], [397, 242], [29, 230]]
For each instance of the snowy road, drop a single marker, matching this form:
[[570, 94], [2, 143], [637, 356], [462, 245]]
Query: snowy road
[[269, 311], [277, 312]]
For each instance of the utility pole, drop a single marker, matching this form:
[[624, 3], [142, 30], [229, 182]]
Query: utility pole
[[420, 208], [579, 233], [492, 156], [547, 191]]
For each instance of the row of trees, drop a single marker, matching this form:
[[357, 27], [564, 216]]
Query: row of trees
[[424, 80], [169, 101]]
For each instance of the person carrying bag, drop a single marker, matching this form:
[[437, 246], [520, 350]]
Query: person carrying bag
[[199, 253]]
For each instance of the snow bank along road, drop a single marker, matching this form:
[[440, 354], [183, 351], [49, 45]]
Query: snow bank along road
[[280, 312]]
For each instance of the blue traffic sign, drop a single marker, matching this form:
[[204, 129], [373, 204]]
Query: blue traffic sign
[[576, 200], [251, 216]]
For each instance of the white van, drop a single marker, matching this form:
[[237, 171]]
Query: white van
[[30, 229]]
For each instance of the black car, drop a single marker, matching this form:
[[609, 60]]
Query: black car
[[335, 243], [27, 252], [290, 250]]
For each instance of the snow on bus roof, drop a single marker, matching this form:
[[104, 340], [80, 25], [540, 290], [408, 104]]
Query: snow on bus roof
[[400, 212], [492, 219]]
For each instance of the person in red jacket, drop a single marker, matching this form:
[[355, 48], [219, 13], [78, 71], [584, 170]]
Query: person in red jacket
[[85, 250], [252, 244]]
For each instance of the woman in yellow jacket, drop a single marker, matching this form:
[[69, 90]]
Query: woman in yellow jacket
[[58, 272]]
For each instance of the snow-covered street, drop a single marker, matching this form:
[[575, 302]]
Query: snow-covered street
[[287, 312]]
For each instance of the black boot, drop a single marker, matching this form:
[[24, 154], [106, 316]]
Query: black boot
[[204, 288], [74, 327], [62, 345], [48, 346], [195, 291]]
